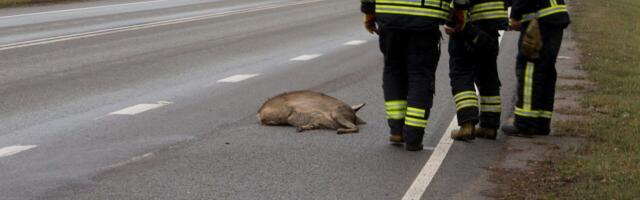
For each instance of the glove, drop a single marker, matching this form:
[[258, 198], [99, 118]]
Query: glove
[[370, 23], [456, 22]]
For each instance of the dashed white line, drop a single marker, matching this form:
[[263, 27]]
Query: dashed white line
[[13, 150], [355, 42], [430, 169], [306, 57], [237, 78], [140, 108]]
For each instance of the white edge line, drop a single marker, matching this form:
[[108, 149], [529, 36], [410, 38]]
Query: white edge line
[[13, 150], [355, 42], [430, 169], [143, 26]]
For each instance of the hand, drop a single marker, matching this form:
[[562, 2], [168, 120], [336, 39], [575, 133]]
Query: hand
[[516, 24], [449, 30], [370, 23]]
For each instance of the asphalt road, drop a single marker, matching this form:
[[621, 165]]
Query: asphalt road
[[69, 72]]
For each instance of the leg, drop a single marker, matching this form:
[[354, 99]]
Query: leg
[[393, 45], [462, 77], [345, 126], [552, 38], [423, 55], [488, 83]]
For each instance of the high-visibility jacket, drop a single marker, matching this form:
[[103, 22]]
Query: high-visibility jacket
[[408, 14], [491, 14], [551, 12]]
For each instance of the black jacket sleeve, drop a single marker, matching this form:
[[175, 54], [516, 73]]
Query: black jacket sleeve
[[368, 6]]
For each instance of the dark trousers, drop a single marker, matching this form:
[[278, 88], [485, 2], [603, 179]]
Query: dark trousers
[[475, 65], [537, 83], [410, 62]]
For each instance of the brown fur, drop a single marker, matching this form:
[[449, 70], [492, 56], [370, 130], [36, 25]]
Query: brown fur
[[308, 110]]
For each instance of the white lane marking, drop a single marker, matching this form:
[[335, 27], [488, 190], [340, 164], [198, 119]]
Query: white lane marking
[[237, 78], [132, 160], [13, 150], [355, 42], [144, 26], [420, 184], [430, 169], [140, 108], [306, 57], [76, 9]]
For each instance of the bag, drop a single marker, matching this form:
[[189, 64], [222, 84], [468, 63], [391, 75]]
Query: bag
[[532, 41]]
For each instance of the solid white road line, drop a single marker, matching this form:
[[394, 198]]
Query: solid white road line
[[140, 108], [355, 42], [13, 150], [306, 57], [76, 9], [237, 78], [430, 169], [145, 26]]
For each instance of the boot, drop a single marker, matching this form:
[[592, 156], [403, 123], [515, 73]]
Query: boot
[[513, 130], [466, 132], [487, 133], [413, 139], [396, 139]]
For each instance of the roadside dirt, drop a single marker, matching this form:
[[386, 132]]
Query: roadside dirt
[[526, 170]]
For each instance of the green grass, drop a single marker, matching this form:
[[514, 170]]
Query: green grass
[[608, 34]]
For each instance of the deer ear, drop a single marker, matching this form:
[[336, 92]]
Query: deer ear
[[357, 107]]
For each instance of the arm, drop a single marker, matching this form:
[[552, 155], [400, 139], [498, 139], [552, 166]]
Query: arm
[[368, 7]]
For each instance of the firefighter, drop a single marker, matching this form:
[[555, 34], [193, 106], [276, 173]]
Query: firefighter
[[410, 42], [473, 49], [537, 75]]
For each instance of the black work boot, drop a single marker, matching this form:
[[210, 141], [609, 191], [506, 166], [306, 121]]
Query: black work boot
[[466, 132], [513, 130], [413, 140], [487, 133]]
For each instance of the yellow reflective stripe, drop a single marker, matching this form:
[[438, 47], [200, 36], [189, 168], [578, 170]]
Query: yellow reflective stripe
[[528, 85], [432, 3], [491, 108], [465, 95], [404, 10], [490, 99], [545, 12], [416, 122], [546, 114], [488, 6], [395, 114], [466, 104], [396, 105], [553, 2], [533, 113], [416, 112], [500, 14]]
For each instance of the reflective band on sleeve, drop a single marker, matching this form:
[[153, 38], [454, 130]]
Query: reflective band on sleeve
[[416, 112], [415, 11], [421, 123], [545, 12]]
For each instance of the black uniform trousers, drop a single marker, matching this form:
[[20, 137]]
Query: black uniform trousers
[[474, 65], [537, 82], [410, 61]]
